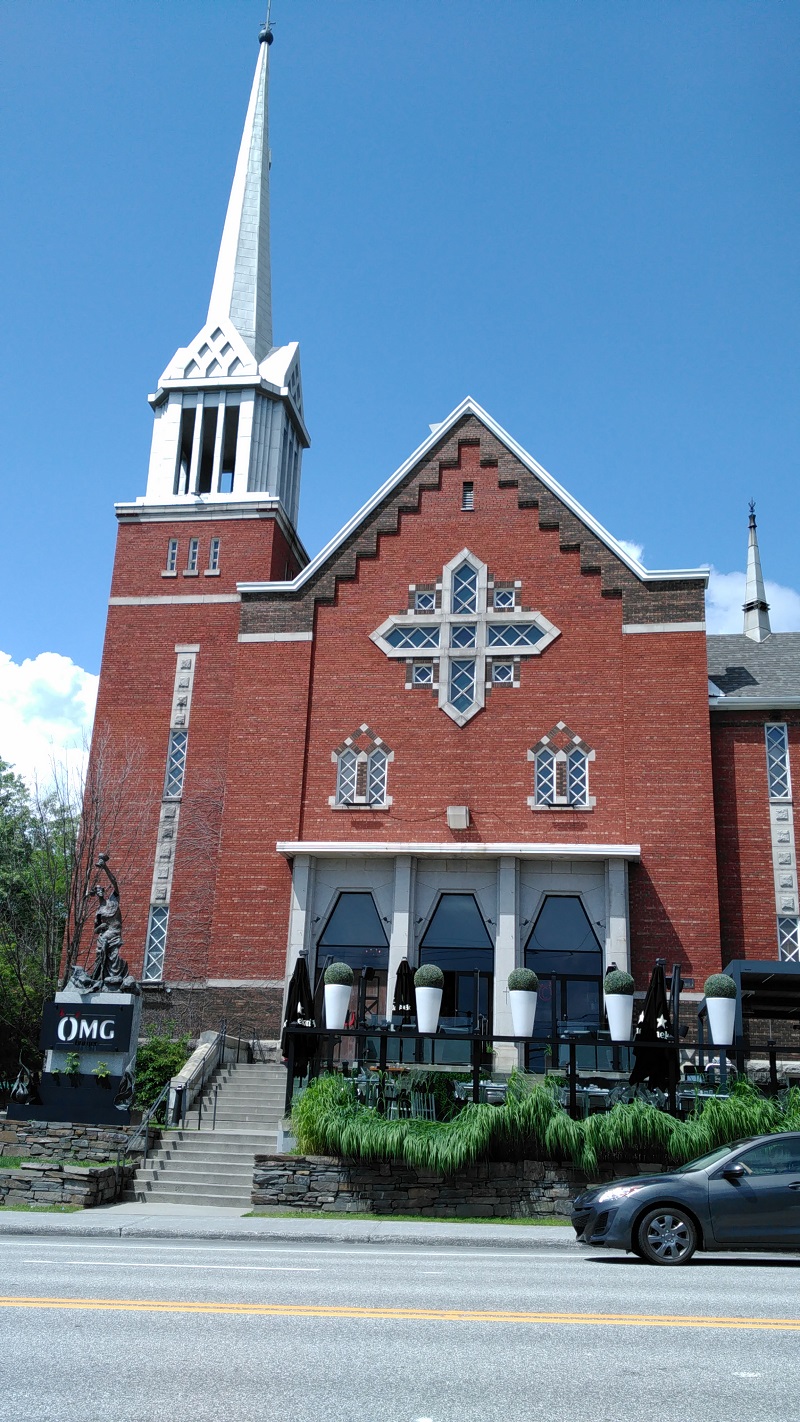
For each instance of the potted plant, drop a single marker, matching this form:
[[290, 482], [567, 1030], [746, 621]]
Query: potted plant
[[720, 993], [338, 982], [72, 1068], [523, 990], [428, 984], [618, 995], [102, 1075]]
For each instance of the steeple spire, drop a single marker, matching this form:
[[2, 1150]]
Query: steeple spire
[[229, 406], [242, 288], [756, 607]]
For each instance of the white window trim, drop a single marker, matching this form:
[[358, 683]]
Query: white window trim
[[361, 803], [561, 802], [483, 617], [779, 726]]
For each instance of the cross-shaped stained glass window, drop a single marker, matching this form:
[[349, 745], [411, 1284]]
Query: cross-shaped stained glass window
[[461, 636]]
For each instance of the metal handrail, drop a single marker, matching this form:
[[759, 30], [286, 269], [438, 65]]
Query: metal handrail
[[143, 1130]]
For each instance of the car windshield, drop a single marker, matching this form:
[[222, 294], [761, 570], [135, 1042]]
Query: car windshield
[[710, 1159]]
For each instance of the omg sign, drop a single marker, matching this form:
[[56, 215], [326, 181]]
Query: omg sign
[[86, 1029]]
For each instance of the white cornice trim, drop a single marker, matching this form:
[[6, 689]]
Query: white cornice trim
[[777, 702], [276, 636], [471, 407], [446, 850], [202, 508], [164, 600], [637, 628]]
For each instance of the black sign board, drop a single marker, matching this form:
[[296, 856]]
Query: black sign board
[[71, 1027]]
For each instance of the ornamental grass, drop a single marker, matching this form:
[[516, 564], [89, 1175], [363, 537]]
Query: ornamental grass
[[532, 1125]]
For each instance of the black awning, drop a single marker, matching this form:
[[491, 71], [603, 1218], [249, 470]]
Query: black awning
[[767, 987]]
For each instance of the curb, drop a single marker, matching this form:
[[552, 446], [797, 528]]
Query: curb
[[253, 1231]]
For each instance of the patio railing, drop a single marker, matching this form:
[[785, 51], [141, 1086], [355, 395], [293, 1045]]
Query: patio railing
[[694, 1069]]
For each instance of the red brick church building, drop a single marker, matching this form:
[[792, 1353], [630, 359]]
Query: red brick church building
[[472, 730]]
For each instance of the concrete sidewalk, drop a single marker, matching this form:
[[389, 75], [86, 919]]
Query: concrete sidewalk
[[178, 1222]]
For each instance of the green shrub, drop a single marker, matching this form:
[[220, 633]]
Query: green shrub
[[160, 1057], [618, 983], [532, 1125], [429, 976], [339, 974], [720, 985], [523, 980]]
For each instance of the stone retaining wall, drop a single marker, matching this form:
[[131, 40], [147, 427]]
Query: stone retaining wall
[[512, 1189], [58, 1140], [53, 1184]]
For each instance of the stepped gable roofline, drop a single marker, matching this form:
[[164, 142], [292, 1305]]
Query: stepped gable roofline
[[757, 676], [470, 407]]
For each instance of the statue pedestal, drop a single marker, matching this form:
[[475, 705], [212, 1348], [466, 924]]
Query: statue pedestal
[[101, 1030]]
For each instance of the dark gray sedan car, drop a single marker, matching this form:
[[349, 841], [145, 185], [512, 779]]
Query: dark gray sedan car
[[740, 1196]]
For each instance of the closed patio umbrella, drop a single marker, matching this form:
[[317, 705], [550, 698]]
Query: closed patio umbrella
[[300, 1010], [404, 1000], [651, 1064]]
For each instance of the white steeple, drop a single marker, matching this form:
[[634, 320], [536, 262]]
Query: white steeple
[[229, 407], [756, 607], [242, 288]]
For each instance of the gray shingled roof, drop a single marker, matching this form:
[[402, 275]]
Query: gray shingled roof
[[743, 669]]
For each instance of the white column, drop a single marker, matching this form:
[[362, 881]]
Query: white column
[[617, 916], [196, 444], [300, 912], [505, 959], [400, 943], [218, 444]]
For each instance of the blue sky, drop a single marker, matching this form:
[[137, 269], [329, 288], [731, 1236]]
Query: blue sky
[[584, 214]]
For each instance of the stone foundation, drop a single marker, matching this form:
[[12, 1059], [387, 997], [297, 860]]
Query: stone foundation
[[59, 1140], [489, 1188], [51, 1184]]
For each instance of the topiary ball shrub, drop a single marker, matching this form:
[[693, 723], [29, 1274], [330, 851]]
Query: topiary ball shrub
[[523, 980], [429, 976], [617, 982], [719, 985], [340, 974]]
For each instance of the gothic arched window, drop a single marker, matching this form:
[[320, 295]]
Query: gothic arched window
[[561, 771], [362, 768]]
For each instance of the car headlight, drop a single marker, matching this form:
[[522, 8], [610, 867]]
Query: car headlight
[[617, 1192]]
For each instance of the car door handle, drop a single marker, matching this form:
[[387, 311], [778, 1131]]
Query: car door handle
[[795, 1185]]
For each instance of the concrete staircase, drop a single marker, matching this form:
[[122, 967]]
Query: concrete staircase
[[214, 1165]]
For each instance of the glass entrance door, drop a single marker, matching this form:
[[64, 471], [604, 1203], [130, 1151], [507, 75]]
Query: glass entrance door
[[564, 952]]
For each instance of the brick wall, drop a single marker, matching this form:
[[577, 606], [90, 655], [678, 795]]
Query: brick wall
[[744, 845]]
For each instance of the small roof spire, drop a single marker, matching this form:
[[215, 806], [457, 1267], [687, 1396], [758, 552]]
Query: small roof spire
[[242, 290], [756, 607]]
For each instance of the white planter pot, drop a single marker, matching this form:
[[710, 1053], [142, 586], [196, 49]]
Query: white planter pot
[[523, 1011], [429, 1002], [619, 1010], [337, 1001], [721, 1019]]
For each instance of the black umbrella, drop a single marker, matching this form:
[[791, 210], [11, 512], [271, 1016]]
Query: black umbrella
[[300, 1010], [652, 1063], [404, 999]]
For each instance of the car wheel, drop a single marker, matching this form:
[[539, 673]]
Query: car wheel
[[666, 1236]]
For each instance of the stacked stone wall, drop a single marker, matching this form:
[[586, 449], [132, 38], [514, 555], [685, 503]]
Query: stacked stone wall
[[60, 1140], [50, 1183], [502, 1189]]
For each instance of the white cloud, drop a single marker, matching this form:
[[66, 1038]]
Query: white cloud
[[46, 711], [634, 550], [725, 597]]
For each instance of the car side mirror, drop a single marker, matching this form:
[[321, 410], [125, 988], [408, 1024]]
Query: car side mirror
[[734, 1172]]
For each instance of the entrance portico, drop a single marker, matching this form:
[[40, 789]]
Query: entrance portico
[[502, 886]]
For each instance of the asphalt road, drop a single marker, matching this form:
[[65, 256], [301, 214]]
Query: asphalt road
[[188, 1331]]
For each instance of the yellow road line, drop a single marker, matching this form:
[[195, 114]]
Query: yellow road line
[[426, 1315]]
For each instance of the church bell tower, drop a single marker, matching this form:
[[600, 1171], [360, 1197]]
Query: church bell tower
[[229, 407]]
